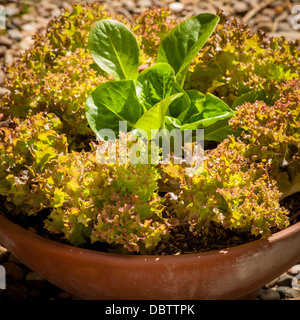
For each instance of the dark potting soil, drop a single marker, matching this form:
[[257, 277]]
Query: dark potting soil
[[183, 239]]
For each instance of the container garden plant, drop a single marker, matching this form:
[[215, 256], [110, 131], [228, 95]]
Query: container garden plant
[[98, 226]]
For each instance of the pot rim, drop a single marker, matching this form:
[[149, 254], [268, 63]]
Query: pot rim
[[68, 248]]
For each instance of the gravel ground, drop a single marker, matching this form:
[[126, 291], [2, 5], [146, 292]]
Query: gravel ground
[[25, 18]]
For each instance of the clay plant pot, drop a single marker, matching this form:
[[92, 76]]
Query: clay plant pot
[[235, 273]]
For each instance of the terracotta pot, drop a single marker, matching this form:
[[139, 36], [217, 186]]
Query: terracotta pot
[[236, 273]]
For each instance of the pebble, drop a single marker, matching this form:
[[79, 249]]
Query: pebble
[[268, 294], [30, 27], [285, 280], [265, 26], [187, 2], [294, 270], [240, 7], [284, 285], [4, 40], [2, 250], [292, 293], [34, 276], [167, 2], [252, 3], [15, 34], [17, 21], [27, 18], [3, 254], [289, 35], [13, 271], [16, 291], [8, 57], [2, 50], [262, 18], [271, 283], [11, 10], [22, 283], [282, 290], [143, 4], [176, 7], [35, 293], [296, 282], [64, 295], [25, 44]]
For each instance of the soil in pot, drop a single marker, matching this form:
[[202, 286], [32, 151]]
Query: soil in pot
[[183, 239]]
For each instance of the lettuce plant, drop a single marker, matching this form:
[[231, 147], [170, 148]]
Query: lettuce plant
[[236, 60], [50, 161], [85, 200], [150, 27], [232, 192], [56, 75], [105, 203], [272, 135], [155, 98], [29, 149]]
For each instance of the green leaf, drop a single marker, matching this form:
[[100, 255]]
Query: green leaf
[[79, 233], [212, 109], [112, 102], [251, 97], [154, 118], [172, 123], [115, 49], [181, 45], [59, 198], [197, 98], [157, 83], [205, 111], [182, 104], [219, 131], [210, 114]]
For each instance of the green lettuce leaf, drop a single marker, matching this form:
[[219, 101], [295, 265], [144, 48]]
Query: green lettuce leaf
[[112, 102], [180, 46], [251, 97], [157, 83], [206, 112], [154, 117], [115, 49]]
